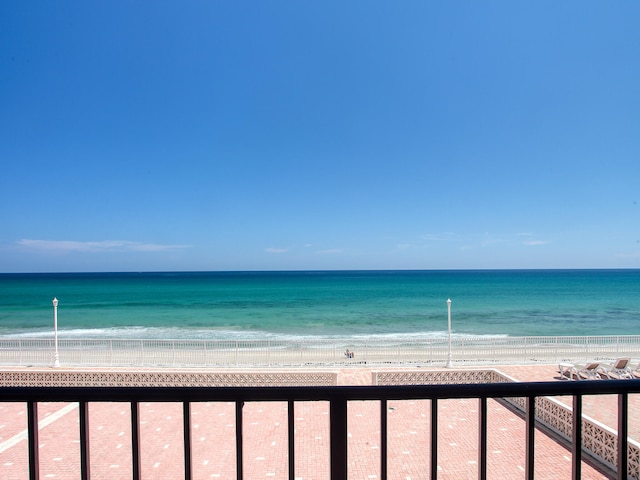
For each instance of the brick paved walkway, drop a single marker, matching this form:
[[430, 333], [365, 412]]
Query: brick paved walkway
[[265, 439]]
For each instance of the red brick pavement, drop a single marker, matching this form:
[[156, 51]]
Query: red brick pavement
[[265, 439]]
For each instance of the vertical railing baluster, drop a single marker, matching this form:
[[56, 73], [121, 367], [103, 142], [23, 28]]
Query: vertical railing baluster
[[338, 436], [206, 353], [135, 441], [383, 438], [173, 353], [576, 439], [85, 463], [434, 438], [291, 439], [239, 405], [32, 428], [482, 440], [186, 426], [623, 432], [530, 442]]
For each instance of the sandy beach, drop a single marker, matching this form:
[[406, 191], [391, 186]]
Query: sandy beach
[[265, 437]]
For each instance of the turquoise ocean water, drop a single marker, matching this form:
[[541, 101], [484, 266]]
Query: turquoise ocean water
[[330, 304]]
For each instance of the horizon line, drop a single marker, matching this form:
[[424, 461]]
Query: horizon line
[[115, 272]]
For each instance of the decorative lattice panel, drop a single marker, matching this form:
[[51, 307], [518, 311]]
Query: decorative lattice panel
[[437, 377], [166, 379]]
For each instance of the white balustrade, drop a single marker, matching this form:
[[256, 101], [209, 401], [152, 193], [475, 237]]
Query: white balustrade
[[229, 353]]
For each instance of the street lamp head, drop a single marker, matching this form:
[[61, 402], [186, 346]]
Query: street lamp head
[[55, 302], [449, 301]]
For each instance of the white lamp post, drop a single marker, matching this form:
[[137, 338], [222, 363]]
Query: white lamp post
[[56, 360], [449, 364]]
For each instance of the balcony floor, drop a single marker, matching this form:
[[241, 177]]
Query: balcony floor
[[265, 438]]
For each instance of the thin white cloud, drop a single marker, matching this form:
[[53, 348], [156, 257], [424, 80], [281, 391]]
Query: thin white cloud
[[437, 237], [98, 246], [629, 256], [489, 240], [535, 243], [276, 250], [472, 241]]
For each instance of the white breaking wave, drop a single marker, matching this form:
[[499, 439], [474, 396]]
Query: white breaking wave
[[226, 334]]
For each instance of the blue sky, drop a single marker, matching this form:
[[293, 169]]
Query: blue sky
[[155, 135]]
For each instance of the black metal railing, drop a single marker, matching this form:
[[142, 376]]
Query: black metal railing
[[338, 398]]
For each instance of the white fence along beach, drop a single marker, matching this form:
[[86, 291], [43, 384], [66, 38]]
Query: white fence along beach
[[20, 351]]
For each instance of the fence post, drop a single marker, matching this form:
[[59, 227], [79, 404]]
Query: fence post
[[623, 432], [530, 436], [383, 438], [239, 434], [85, 461], [136, 467], [434, 438], [588, 345], [291, 439], [482, 440], [338, 435], [34, 446], [186, 429], [576, 439], [205, 353]]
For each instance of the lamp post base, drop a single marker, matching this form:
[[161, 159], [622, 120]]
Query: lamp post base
[[56, 360]]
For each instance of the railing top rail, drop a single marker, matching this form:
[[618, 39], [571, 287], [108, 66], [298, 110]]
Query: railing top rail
[[315, 393]]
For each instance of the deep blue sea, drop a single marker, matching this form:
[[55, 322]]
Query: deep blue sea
[[322, 304]]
